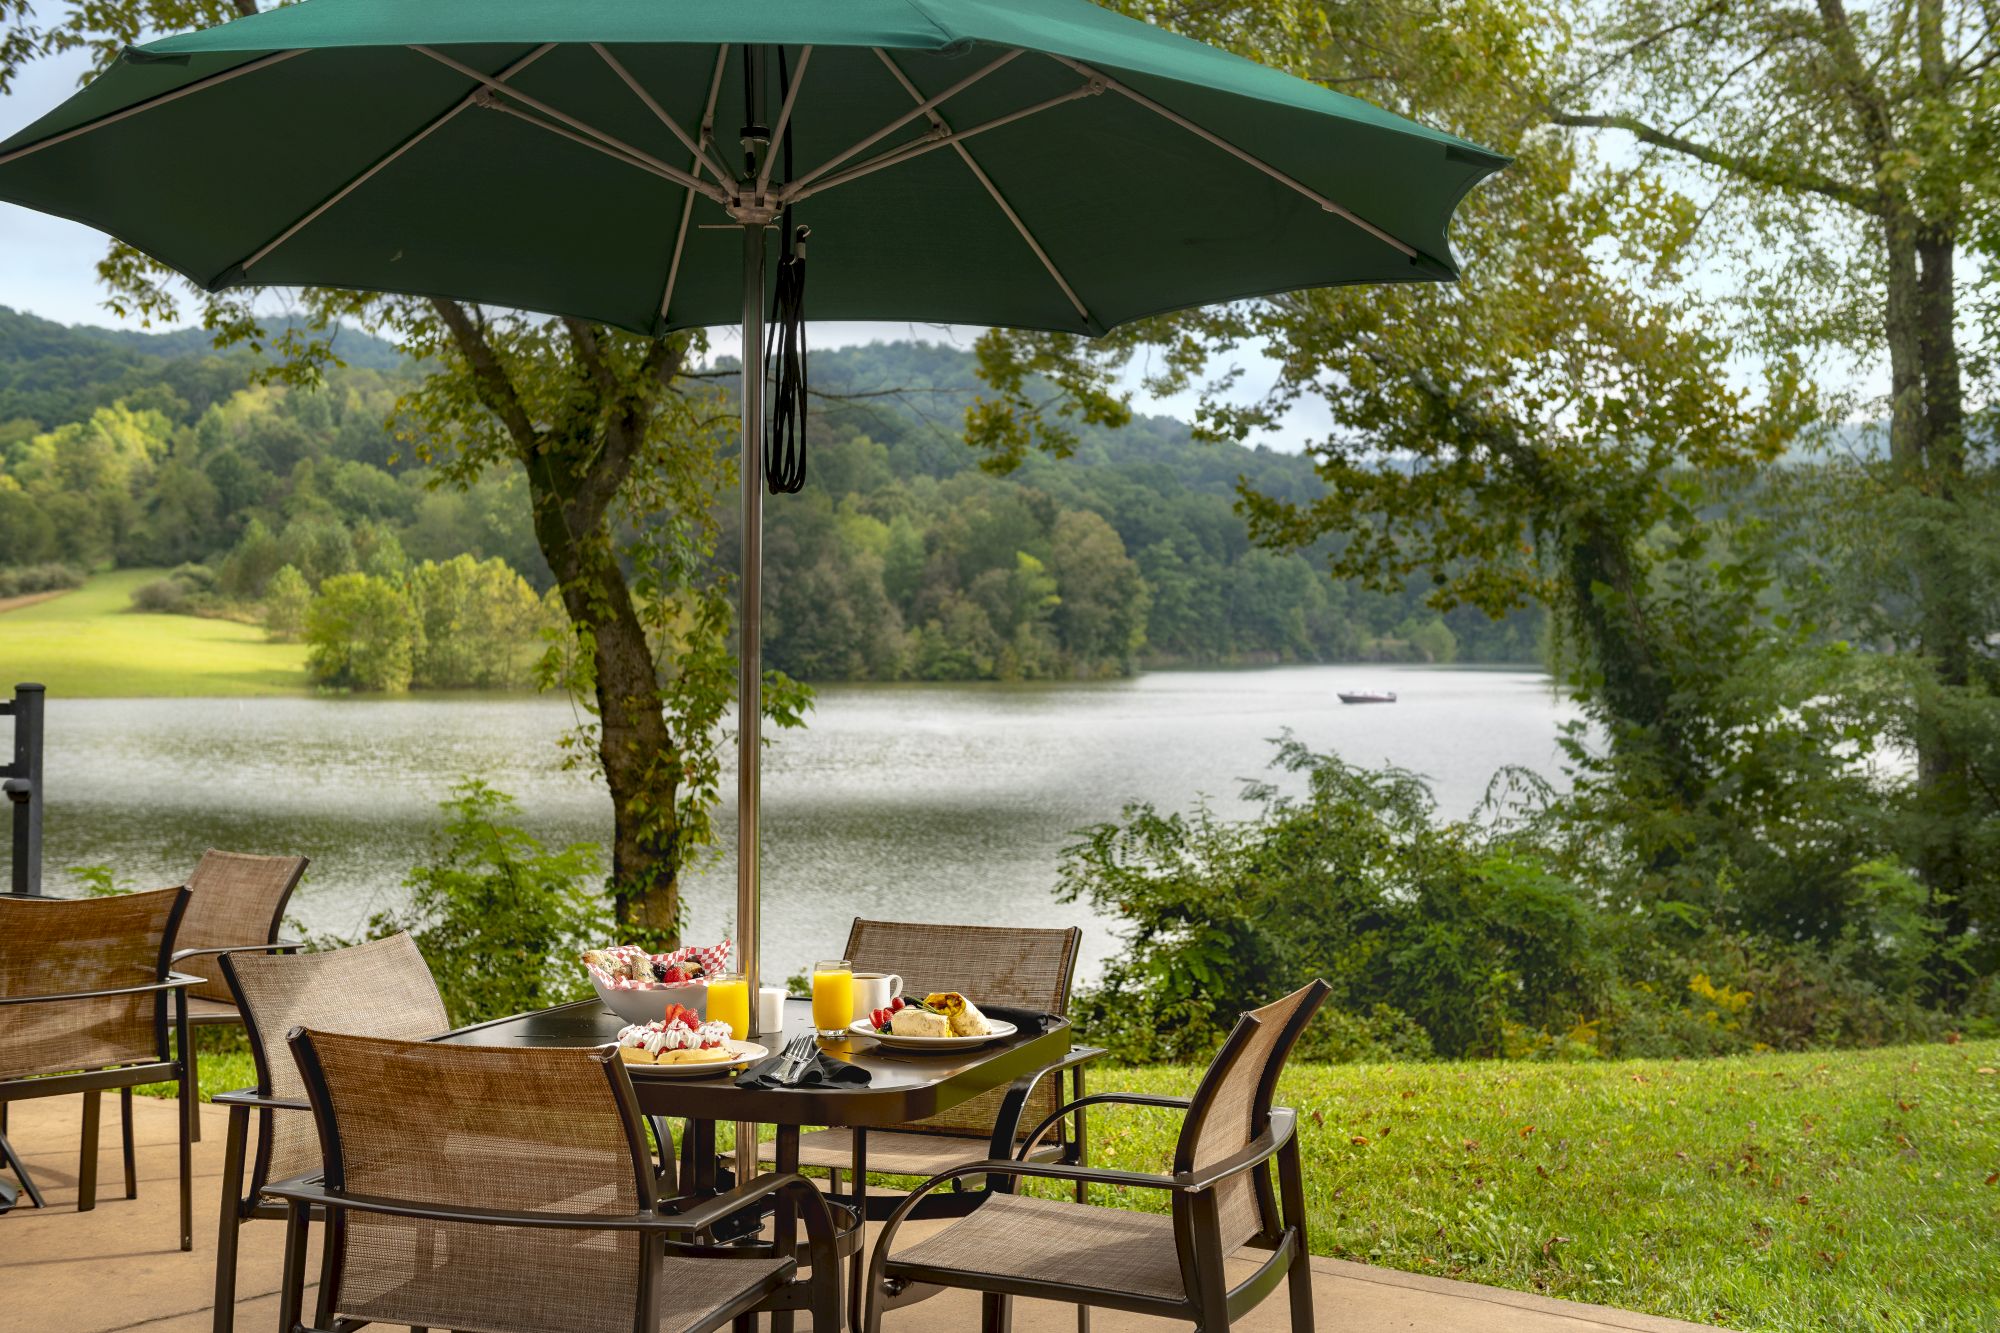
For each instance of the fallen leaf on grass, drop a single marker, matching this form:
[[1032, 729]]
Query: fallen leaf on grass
[[1984, 1069], [1527, 1130], [1319, 1121], [1359, 1141], [1993, 1179], [1553, 1241], [1805, 1199]]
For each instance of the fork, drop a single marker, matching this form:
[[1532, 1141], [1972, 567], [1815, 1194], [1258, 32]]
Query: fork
[[797, 1051]]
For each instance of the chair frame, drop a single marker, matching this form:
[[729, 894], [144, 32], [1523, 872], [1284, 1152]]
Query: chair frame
[[667, 1223], [1071, 1147], [1211, 1303], [270, 944], [240, 1205], [175, 1067]]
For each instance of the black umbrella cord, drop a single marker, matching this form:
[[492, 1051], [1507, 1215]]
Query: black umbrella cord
[[785, 354]]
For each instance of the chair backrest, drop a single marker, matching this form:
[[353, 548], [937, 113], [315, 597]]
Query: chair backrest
[[534, 1129], [1233, 1106], [1015, 967], [238, 899], [56, 946], [378, 989]]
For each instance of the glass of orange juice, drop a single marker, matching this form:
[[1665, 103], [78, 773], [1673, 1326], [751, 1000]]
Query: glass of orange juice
[[833, 996], [729, 1002]]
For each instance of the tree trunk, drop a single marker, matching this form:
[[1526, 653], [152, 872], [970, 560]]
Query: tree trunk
[[576, 466], [1927, 456]]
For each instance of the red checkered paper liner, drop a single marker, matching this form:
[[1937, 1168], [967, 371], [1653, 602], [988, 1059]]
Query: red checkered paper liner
[[714, 959]]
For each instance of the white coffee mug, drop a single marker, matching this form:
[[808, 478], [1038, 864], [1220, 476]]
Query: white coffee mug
[[874, 990]]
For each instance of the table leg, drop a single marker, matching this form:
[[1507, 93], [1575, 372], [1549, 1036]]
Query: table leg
[[785, 1217]]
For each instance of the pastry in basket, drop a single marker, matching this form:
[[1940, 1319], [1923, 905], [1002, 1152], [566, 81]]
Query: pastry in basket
[[681, 1038]]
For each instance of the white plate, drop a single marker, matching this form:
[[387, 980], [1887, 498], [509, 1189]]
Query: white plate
[[862, 1028], [742, 1053]]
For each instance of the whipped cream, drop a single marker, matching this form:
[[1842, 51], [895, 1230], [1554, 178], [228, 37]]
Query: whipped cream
[[660, 1036]]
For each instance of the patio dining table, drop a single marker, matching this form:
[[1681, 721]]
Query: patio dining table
[[903, 1086]]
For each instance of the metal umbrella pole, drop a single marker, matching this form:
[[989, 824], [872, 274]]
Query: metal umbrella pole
[[749, 647]]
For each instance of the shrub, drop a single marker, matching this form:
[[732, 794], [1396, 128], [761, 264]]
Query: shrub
[[27, 580], [1434, 936], [168, 596], [499, 916]]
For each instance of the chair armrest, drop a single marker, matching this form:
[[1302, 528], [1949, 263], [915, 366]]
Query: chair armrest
[[1080, 1055], [1279, 1132], [312, 1190], [251, 1097], [172, 981], [274, 946], [1097, 1099], [1007, 1122]]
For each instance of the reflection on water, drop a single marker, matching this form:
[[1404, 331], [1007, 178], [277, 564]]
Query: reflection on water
[[920, 801]]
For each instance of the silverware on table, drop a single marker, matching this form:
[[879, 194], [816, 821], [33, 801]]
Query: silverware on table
[[797, 1052]]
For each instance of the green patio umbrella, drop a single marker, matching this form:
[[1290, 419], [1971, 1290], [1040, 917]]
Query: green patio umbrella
[[1040, 164]]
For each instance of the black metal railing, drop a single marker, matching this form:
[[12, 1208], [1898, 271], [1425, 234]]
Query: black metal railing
[[22, 781]]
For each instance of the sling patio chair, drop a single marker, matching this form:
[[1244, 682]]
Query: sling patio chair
[[1220, 1193], [382, 988], [83, 1007], [237, 903], [509, 1189], [1009, 967]]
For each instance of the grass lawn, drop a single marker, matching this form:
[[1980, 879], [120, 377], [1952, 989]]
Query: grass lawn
[[90, 643], [1821, 1193]]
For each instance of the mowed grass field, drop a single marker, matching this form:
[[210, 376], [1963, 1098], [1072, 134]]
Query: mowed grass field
[[89, 643], [1835, 1192]]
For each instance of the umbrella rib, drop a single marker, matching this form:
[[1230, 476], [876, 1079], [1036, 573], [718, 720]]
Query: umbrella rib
[[933, 140], [784, 116], [604, 140], [161, 99], [644, 164], [1274, 173], [437, 123], [687, 199], [927, 104], [638, 90], [1000, 200]]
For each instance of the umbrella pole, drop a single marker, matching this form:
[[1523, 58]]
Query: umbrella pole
[[750, 649]]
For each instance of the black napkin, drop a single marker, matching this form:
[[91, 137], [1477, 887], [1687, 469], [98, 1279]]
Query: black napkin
[[820, 1071], [1031, 1021]]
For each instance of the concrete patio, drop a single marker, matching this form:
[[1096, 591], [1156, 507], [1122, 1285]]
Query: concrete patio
[[118, 1267]]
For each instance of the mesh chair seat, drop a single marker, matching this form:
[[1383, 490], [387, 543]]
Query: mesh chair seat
[[894, 1154], [234, 899], [1110, 1250], [690, 1290]]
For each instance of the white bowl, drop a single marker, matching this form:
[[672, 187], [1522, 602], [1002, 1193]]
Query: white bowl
[[650, 1004]]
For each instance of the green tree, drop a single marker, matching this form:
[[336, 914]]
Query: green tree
[[361, 634], [1850, 159], [479, 620], [286, 599], [1102, 603]]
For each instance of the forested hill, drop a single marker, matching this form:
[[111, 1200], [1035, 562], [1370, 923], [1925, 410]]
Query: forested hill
[[901, 559]]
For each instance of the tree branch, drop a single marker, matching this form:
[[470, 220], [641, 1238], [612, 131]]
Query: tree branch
[[1865, 200], [490, 380]]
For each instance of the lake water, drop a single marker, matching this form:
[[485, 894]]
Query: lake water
[[947, 802]]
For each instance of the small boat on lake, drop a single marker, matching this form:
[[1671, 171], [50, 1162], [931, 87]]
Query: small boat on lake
[[1367, 696]]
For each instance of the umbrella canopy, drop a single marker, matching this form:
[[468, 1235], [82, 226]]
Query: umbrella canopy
[[1041, 164]]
